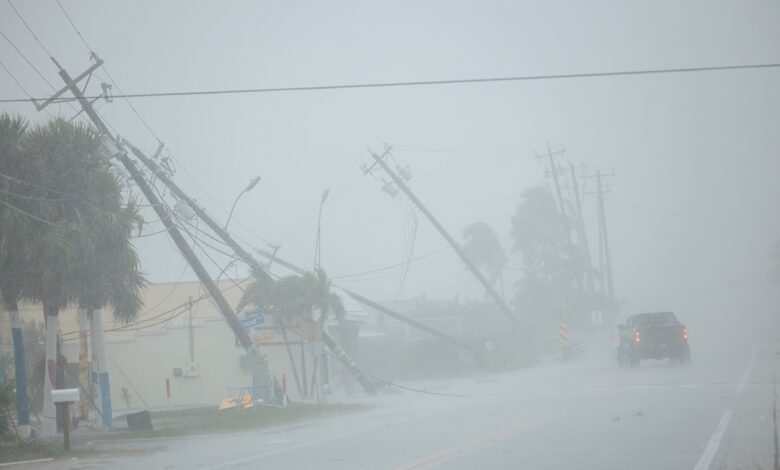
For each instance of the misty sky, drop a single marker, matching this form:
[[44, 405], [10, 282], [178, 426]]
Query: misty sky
[[693, 208]]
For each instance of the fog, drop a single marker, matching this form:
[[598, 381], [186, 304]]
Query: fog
[[691, 209]]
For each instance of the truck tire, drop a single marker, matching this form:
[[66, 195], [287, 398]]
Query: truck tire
[[633, 361], [685, 357]]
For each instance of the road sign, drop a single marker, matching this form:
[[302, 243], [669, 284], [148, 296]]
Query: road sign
[[563, 333], [263, 337], [253, 320]]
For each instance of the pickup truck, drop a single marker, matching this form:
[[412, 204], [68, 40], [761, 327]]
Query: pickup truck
[[656, 335]]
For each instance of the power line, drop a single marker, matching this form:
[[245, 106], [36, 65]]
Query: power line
[[74, 26], [30, 198], [355, 278], [108, 74], [696, 218], [30, 30], [24, 212], [427, 82], [19, 84], [135, 325], [40, 74], [146, 124], [151, 234]]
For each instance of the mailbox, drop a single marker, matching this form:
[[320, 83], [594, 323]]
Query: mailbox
[[65, 395]]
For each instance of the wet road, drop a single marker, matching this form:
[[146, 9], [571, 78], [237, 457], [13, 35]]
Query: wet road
[[587, 414]]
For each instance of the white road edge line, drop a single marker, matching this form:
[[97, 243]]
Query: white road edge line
[[712, 447], [253, 458], [743, 381]]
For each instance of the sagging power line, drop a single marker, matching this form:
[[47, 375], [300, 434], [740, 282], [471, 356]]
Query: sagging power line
[[421, 83]]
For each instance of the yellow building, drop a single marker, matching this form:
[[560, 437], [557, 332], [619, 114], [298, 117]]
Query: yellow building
[[179, 351]]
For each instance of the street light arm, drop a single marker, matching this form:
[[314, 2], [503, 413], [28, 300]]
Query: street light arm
[[233, 208], [252, 183]]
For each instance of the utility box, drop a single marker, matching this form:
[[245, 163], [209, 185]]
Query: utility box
[[65, 395], [141, 421]]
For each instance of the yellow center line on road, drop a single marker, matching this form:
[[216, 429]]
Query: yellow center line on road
[[480, 443]]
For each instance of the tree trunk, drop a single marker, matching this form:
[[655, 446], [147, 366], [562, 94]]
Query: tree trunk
[[83, 364], [101, 368], [49, 418], [283, 326], [20, 372]]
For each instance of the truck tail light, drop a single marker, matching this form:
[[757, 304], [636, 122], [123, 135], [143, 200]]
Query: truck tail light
[[685, 333], [637, 339]]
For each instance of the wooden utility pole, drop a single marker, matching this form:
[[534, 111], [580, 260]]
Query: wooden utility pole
[[582, 236], [380, 160], [259, 269], [162, 213], [605, 259], [605, 234], [554, 173]]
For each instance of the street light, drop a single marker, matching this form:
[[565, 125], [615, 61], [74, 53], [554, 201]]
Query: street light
[[318, 248], [252, 183]]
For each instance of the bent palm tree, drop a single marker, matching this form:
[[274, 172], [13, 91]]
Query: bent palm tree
[[293, 300]]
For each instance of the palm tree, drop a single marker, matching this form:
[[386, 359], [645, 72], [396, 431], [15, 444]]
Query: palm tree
[[485, 251], [110, 276], [84, 255], [14, 252], [540, 237], [293, 300]]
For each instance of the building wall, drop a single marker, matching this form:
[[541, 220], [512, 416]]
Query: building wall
[[143, 354], [144, 363]]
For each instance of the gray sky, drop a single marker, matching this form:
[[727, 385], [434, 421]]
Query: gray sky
[[692, 212]]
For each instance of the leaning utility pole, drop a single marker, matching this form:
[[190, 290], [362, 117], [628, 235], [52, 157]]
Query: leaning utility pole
[[259, 269], [160, 210], [582, 236], [561, 207], [250, 260], [462, 254]]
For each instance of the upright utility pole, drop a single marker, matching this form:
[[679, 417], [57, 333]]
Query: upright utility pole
[[380, 160], [161, 211], [604, 256], [554, 172], [582, 236]]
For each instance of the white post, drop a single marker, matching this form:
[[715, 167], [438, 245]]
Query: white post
[[83, 364], [101, 369], [49, 425]]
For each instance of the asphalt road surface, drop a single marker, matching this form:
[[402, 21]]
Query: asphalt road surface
[[715, 413]]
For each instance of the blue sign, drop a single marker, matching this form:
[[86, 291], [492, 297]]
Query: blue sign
[[253, 320]]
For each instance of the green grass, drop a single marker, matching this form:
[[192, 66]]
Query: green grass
[[11, 452], [209, 420]]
